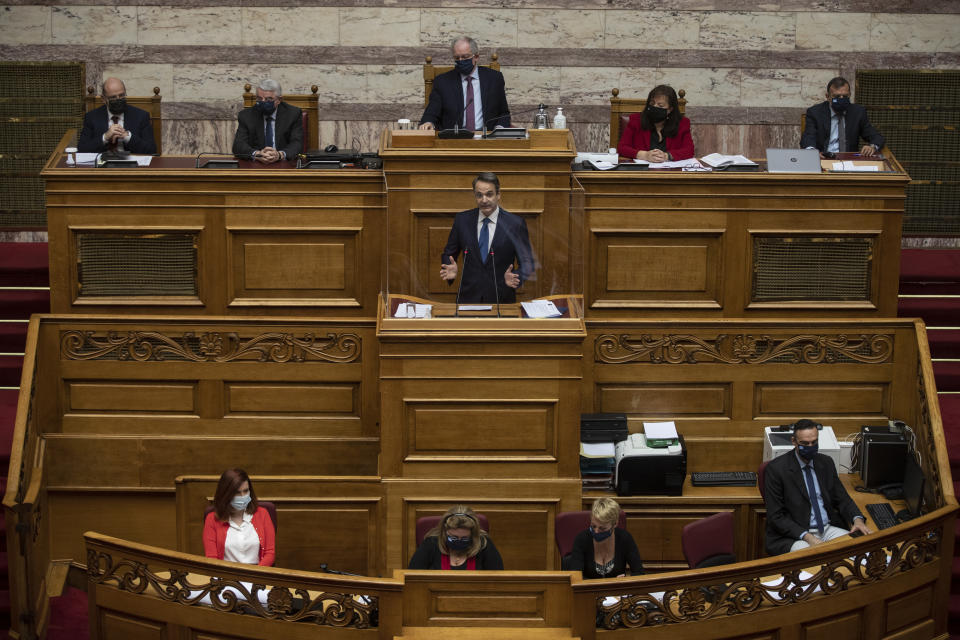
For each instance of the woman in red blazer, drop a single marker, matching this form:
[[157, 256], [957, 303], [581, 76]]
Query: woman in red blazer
[[658, 133], [238, 529]]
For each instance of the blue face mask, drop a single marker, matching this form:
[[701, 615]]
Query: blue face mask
[[600, 536], [458, 544], [240, 502], [840, 103], [266, 107], [465, 67], [808, 452]]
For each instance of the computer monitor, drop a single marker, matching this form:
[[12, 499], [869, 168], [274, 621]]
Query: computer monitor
[[913, 482]]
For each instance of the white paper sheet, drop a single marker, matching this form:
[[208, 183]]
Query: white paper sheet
[[660, 430], [541, 309]]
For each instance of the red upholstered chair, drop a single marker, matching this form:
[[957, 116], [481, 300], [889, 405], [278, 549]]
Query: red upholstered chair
[[269, 506], [760, 471], [709, 542], [568, 524], [426, 523]]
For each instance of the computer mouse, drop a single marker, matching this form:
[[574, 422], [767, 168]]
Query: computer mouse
[[331, 148]]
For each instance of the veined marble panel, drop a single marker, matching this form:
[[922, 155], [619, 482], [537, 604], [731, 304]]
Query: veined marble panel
[[770, 87], [704, 87], [139, 79], [393, 27], [403, 84], [491, 28], [351, 133], [336, 83], [532, 85], [915, 32], [591, 137], [588, 85], [551, 28], [199, 82], [190, 137], [95, 25], [748, 30], [832, 31], [813, 84], [636, 82], [307, 26], [190, 26], [25, 25], [652, 30]]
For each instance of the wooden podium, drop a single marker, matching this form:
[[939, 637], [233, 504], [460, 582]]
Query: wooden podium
[[428, 180]]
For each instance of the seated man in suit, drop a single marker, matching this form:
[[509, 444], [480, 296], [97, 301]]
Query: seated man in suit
[[271, 130], [116, 126], [492, 239], [795, 520], [469, 96], [836, 126]]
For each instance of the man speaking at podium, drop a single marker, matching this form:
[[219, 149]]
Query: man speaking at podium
[[492, 240], [469, 96]]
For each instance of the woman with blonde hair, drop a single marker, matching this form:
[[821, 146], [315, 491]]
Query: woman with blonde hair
[[604, 550], [457, 542]]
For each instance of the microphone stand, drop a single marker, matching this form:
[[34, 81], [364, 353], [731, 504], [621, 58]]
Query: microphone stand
[[456, 313], [496, 288]]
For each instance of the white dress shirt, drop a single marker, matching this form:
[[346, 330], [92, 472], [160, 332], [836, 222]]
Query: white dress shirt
[[491, 227], [125, 138], [242, 543]]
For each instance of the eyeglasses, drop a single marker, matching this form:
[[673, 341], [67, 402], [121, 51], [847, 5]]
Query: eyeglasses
[[266, 101], [456, 539], [464, 57]]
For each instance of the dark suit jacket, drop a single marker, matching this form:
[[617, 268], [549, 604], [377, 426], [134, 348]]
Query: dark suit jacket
[[511, 243], [788, 503], [136, 121], [287, 130], [856, 125], [445, 108]]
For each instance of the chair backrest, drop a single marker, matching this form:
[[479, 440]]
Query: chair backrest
[[568, 524], [308, 103], [709, 541], [426, 523], [150, 104], [430, 72], [621, 108], [762, 469], [269, 506]]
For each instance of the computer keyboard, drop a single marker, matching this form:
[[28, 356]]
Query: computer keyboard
[[882, 515], [723, 479]]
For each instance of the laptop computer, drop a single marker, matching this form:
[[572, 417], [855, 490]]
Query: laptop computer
[[793, 161]]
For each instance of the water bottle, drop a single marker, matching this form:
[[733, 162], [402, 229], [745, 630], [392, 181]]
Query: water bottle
[[540, 120], [559, 120]]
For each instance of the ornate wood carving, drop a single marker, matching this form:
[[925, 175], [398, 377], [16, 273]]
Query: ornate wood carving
[[928, 444], [211, 346], [744, 349], [692, 604], [234, 596]]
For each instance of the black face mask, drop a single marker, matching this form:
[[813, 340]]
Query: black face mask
[[117, 105], [657, 114], [840, 103]]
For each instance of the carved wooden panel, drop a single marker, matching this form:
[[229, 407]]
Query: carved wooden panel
[[661, 399], [848, 625], [311, 266], [142, 397], [118, 625], [826, 397], [908, 609]]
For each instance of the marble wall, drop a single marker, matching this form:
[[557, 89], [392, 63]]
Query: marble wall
[[749, 68]]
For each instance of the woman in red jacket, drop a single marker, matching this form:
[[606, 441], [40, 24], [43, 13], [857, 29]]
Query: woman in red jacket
[[658, 133], [238, 529]]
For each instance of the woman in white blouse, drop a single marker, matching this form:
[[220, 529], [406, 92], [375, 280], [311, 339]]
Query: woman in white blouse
[[238, 529]]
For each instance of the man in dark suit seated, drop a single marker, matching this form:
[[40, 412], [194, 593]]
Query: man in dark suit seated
[[271, 130], [469, 96], [837, 125], [794, 520], [116, 126], [492, 240]]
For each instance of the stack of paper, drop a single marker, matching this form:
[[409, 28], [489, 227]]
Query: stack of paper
[[721, 160]]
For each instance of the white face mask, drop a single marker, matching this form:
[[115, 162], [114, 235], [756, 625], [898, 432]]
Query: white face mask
[[240, 502]]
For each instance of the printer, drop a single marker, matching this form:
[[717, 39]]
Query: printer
[[642, 470], [776, 442]]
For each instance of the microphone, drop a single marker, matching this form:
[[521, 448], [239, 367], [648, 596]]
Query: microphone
[[456, 313], [496, 289]]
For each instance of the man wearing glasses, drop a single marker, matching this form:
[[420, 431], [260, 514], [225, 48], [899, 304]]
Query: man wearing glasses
[[806, 502], [271, 130], [116, 126], [469, 96]]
